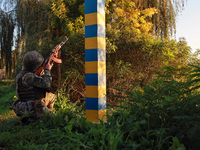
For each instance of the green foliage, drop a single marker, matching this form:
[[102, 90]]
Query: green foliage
[[176, 145], [124, 14], [7, 96], [67, 15], [167, 106], [143, 54], [130, 47], [135, 13], [194, 59], [162, 115]]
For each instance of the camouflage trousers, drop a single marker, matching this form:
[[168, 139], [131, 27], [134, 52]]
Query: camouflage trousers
[[35, 108]]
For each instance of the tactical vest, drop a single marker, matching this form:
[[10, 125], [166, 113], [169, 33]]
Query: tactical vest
[[29, 93]]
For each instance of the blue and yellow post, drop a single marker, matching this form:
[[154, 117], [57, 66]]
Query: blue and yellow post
[[95, 60]]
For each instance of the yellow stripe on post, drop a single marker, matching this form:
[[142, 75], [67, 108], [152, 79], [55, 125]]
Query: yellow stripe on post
[[94, 18], [95, 91], [95, 115], [95, 43], [95, 67]]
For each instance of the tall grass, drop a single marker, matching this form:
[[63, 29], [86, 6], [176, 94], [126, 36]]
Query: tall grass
[[7, 96]]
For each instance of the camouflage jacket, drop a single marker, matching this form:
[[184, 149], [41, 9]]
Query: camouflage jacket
[[33, 87], [30, 80]]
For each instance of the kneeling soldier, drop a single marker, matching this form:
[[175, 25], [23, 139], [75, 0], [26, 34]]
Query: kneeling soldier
[[32, 90]]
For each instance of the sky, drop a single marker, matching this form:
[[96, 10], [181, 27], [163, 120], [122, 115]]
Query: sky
[[188, 24]]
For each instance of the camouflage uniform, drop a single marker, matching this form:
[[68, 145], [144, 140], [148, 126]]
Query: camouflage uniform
[[33, 98]]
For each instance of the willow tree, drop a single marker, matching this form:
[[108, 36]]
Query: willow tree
[[123, 14], [164, 21], [33, 22], [6, 40]]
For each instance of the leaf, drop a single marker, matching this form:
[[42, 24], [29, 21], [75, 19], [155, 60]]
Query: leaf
[[177, 145]]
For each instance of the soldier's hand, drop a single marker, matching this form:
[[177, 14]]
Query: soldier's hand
[[48, 65], [56, 54]]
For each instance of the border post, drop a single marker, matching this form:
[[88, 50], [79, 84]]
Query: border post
[[95, 60]]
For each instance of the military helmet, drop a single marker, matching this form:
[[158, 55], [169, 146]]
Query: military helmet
[[32, 60]]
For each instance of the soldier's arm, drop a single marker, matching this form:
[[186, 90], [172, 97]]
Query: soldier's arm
[[44, 81]]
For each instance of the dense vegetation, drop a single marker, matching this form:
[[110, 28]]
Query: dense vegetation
[[163, 115], [152, 79]]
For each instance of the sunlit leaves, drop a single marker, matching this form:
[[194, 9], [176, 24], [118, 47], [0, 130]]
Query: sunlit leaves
[[59, 8], [126, 15], [67, 15], [162, 14]]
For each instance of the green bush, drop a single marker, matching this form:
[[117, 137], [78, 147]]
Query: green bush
[[165, 108]]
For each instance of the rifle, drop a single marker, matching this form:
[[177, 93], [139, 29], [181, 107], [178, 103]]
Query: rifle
[[51, 57]]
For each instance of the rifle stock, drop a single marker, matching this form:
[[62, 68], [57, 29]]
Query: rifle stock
[[39, 70]]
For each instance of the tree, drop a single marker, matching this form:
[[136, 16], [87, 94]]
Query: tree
[[66, 15], [165, 20], [33, 23], [6, 40], [142, 14], [125, 15]]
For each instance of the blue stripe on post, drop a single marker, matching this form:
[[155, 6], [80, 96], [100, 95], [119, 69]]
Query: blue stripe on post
[[96, 103], [92, 6], [97, 79], [95, 31], [95, 55]]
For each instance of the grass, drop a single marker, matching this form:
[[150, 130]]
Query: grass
[[7, 96]]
